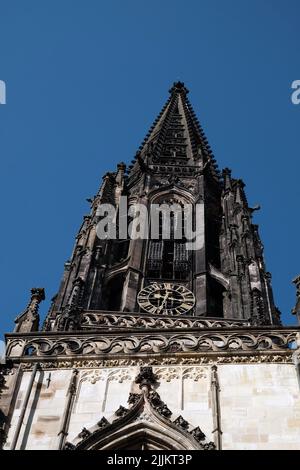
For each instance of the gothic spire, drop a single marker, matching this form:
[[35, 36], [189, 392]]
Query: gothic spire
[[176, 134]]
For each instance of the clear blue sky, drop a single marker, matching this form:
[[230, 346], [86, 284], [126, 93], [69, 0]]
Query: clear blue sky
[[85, 79]]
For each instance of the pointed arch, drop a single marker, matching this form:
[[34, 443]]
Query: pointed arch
[[171, 191], [146, 425], [141, 435]]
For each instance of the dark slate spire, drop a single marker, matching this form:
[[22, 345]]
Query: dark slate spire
[[176, 133]]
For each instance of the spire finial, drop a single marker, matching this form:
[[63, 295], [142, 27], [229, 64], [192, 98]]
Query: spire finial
[[178, 87]]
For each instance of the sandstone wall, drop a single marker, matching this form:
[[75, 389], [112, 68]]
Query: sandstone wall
[[260, 403]]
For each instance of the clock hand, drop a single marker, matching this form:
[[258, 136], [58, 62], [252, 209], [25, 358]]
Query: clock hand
[[163, 302], [157, 296]]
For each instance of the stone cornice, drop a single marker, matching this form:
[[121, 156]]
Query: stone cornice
[[210, 343]]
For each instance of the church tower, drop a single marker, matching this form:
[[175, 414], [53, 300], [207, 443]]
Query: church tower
[[226, 274], [157, 339]]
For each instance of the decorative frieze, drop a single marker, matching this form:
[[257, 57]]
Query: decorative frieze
[[93, 376], [270, 358], [100, 320], [201, 341], [170, 373]]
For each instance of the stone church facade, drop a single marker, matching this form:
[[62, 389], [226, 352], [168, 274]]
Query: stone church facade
[[150, 345]]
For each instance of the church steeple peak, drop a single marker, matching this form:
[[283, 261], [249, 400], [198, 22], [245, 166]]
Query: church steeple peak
[[178, 87], [176, 136]]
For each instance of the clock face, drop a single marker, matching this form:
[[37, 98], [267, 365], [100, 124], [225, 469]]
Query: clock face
[[166, 299]]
